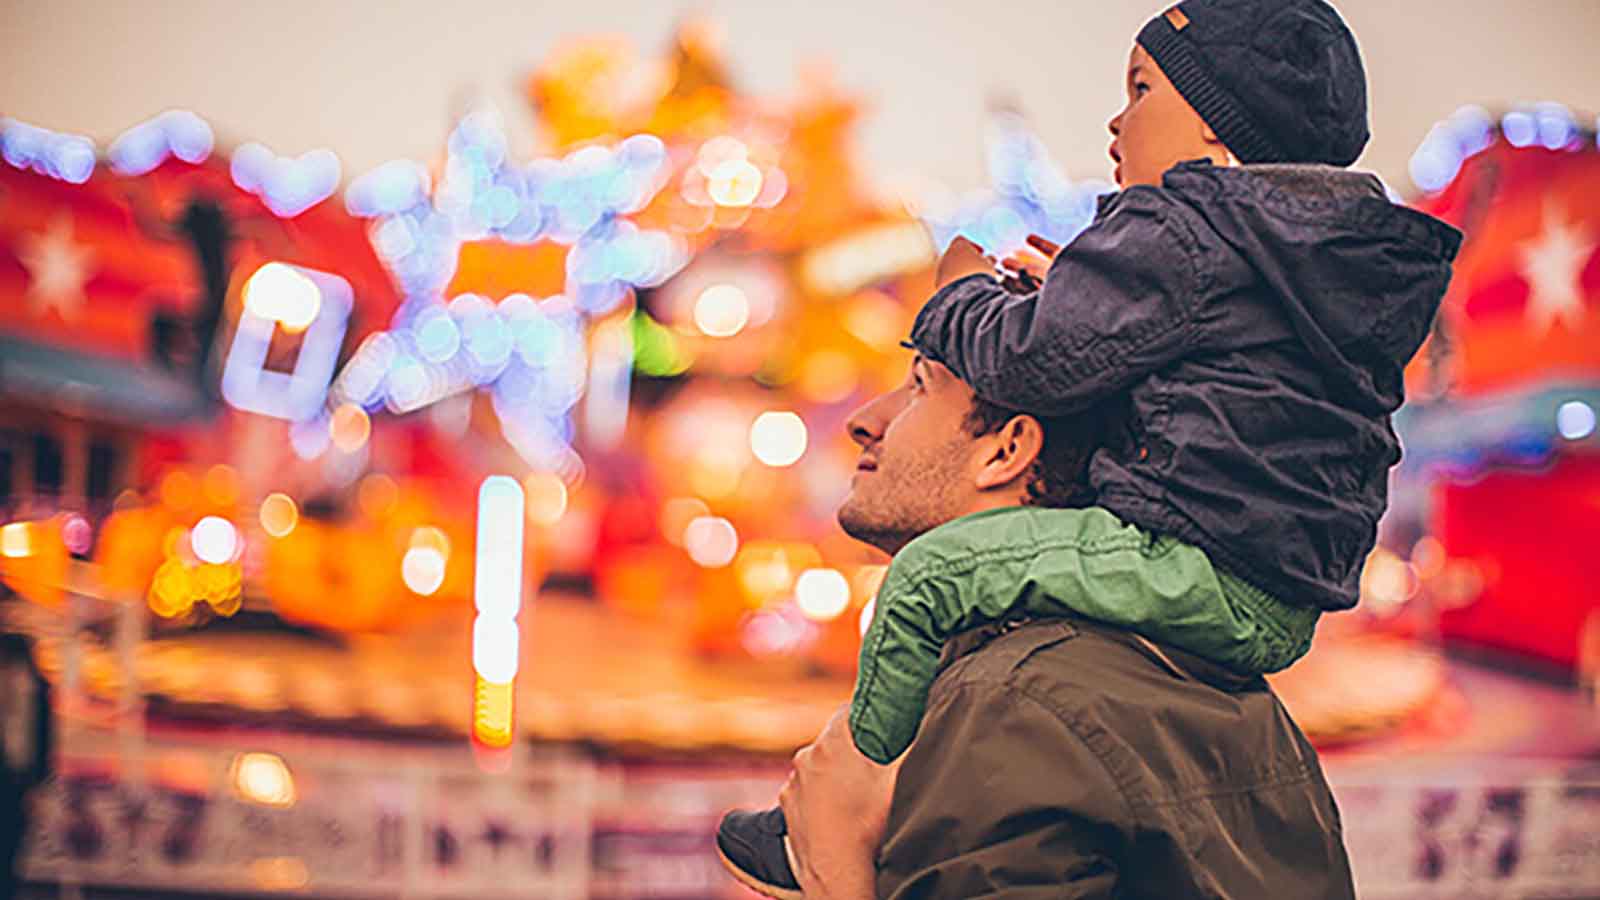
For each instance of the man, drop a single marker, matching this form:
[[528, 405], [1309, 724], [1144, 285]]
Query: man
[[1057, 757]]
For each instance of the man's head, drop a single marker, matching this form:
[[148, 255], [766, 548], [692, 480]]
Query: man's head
[[931, 451], [1259, 81]]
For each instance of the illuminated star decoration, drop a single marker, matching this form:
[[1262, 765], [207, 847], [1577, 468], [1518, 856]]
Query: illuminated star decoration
[[1553, 265], [58, 268], [530, 354]]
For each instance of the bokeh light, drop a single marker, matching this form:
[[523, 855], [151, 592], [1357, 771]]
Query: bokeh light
[[220, 485], [495, 646], [1575, 419], [822, 594], [76, 534], [279, 515], [280, 294], [734, 183], [178, 490], [492, 712], [377, 495], [677, 513], [778, 438], [546, 497], [422, 569], [711, 541], [16, 540], [349, 427], [722, 310], [263, 778], [867, 613], [214, 540]]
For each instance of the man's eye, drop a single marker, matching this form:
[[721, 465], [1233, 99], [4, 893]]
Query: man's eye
[[1141, 89]]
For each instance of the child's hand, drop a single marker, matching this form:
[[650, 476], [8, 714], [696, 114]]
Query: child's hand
[[1033, 261], [960, 259]]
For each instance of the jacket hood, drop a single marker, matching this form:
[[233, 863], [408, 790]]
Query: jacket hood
[[1359, 276]]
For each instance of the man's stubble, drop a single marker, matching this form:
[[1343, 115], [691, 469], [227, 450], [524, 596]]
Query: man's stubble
[[909, 494]]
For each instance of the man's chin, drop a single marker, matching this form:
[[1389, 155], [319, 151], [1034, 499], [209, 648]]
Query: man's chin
[[873, 530]]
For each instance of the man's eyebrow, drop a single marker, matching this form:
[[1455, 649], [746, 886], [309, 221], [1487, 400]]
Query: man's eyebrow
[[1134, 71]]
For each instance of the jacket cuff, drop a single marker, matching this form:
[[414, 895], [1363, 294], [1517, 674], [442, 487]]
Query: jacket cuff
[[931, 334]]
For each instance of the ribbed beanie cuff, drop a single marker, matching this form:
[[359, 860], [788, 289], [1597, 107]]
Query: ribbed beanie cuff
[[1184, 68]]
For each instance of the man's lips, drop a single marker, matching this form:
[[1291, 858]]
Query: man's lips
[[867, 465]]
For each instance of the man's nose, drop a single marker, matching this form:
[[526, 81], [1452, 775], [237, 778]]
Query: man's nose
[[1115, 125], [865, 425]]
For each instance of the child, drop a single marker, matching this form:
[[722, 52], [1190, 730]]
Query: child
[[1253, 303]]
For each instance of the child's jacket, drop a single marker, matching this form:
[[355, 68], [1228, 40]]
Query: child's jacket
[[1258, 320]]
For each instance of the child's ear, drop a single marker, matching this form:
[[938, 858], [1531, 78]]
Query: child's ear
[[1010, 452], [1220, 153]]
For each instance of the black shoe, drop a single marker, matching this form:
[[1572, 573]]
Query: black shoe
[[751, 846]]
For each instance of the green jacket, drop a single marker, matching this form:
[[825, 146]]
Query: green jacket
[[1027, 561]]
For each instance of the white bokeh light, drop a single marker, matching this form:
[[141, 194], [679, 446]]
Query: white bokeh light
[[778, 438], [422, 569], [1575, 419], [279, 293], [495, 644], [711, 541], [822, 594], [722, 310], [214, 540]]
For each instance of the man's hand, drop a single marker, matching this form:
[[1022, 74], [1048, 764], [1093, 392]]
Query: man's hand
[[836, 804], [960, 259]]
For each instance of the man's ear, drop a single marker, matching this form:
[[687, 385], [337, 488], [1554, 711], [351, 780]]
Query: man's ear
[[1008, 454]]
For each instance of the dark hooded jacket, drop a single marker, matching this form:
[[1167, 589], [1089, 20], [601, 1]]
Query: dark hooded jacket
[[1252, 325]]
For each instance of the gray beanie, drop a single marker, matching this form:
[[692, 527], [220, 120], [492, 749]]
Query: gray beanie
[[1279, 81]]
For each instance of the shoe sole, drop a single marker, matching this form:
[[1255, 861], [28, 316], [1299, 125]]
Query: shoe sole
[[755, 884]]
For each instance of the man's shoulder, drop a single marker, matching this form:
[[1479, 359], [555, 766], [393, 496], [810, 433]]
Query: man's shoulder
[[1070, 660]]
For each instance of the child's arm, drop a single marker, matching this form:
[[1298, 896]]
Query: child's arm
[[1119, 302]]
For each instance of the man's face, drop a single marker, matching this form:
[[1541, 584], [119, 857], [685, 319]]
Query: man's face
[[917, 456], [1158, 128]]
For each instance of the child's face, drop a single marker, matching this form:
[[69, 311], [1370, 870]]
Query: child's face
[[1158, 128]]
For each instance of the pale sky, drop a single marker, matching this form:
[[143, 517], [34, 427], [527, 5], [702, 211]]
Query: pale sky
[[374, 82]]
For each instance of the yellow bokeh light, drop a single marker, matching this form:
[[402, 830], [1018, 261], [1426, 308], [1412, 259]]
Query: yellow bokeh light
[[16, 540], [377, 495], [279, 293], [263, 778], [822, 594], [778, 438], [349, 427], [734, 183], [279, 515], [722, 310], [431, 538], [546, 497], [492, 713], [677, 513], [711, 542]]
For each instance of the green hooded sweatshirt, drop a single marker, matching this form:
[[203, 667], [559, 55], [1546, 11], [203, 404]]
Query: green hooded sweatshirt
[[1030, 561]]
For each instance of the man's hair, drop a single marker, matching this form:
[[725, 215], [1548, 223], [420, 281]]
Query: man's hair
[[1060, 476]]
